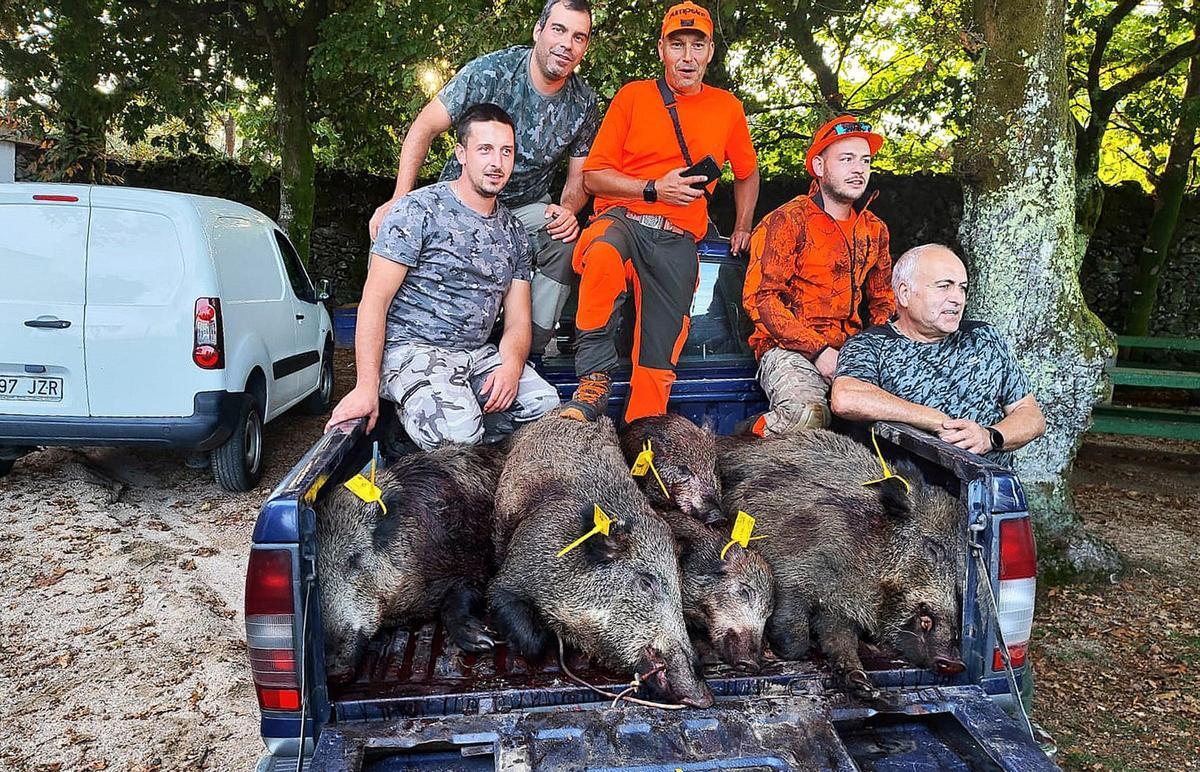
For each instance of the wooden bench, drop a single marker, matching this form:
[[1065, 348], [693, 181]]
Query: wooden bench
[[1172, 423]]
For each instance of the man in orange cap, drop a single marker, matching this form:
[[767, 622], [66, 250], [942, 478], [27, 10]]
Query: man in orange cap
[[813, 263], [649, 216]]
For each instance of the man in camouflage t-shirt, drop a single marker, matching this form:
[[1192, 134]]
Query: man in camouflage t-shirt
[[932, 369], [556, 117], [447, 258]]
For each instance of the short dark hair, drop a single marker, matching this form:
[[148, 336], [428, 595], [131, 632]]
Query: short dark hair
[[484, 112], [570, 5]]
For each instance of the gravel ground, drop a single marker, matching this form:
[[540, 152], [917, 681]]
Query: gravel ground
[[122, 643]]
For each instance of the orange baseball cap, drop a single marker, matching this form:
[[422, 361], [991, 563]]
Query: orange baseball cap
[[840, 128], [687, 16]]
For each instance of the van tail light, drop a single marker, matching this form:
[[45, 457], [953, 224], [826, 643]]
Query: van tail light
[[1018, 586], [270, 615], [208, 341]]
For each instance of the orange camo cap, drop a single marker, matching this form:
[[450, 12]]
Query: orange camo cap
[[687, 16], [840, 128]]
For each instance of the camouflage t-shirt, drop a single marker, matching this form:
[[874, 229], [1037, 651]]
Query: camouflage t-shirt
[[460, 265], [971, 373], [547, 127]]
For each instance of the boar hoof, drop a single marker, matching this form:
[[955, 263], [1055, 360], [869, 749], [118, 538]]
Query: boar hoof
[[472, 635], [859, 685]]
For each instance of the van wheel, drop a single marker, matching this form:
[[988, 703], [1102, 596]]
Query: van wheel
[[319, 402], [237, 464]]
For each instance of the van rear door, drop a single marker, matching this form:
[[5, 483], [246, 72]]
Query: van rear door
[[43, 262], [139, 309]]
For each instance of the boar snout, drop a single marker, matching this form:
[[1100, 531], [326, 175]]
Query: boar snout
[[674, 678], [739, 650]]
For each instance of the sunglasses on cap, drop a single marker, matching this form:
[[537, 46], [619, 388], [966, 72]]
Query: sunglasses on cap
[[849, 128]]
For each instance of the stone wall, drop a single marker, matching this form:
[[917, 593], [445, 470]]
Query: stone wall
[[918, 209]]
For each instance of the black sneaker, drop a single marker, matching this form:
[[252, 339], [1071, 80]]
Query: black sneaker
[[590, 400]]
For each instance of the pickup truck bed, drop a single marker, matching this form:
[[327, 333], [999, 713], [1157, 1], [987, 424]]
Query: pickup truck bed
[[416, 704]]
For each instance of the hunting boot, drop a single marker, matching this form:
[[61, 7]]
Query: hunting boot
[[590, 400]]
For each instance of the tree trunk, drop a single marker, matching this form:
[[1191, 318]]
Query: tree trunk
[[1018, 235], [1168, 196], [297, 183]]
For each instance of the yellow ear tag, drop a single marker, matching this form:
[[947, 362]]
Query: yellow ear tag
[[887, 472], [742, 528], [365, 488], [601, 522], [644, 463]]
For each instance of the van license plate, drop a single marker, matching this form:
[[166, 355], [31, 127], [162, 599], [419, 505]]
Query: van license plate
[[31, 387]]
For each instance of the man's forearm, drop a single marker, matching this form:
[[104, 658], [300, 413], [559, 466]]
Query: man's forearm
[[412, 156], [573, 195], [858, 400], [611, 183], [1021, 426], [370, 330], [514, 343], [745, 196]]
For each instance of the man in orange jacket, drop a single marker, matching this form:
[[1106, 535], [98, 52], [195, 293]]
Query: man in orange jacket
[[649, 216], [813, 263]]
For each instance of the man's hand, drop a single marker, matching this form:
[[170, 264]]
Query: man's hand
[[966, 434], [826, 363], [563, 225], [675, 189], [356, 404], [377, 218], [501, 387], [739, 242]]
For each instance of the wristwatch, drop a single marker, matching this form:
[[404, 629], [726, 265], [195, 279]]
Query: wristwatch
[[997, 438], [649, 194]]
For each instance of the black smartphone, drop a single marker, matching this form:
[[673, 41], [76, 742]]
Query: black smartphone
[[706, 166]]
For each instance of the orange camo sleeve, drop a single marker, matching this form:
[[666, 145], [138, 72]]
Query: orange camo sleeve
[[881, 302], [781, 261], [609, 144]]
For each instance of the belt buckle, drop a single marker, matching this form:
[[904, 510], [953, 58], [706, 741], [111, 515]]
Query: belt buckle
[[653, 221]]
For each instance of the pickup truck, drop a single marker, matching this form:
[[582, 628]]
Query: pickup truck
[[419, 703]]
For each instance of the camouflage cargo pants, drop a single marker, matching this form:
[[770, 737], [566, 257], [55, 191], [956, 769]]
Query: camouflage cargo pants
[[552, 273], [798, 393], [439, 399]]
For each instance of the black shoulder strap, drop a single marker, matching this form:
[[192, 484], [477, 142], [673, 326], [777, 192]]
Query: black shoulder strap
[[668, 98]]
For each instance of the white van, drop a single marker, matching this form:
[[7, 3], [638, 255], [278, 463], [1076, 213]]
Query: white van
[[141, 317]]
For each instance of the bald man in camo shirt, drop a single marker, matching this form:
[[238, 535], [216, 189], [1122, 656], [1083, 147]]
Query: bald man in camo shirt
[[930, 368]]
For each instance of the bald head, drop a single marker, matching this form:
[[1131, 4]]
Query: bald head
[[930, 283]]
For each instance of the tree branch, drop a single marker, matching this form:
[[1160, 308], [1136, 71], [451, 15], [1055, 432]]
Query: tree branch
[[1154, 70], [1103, 37]]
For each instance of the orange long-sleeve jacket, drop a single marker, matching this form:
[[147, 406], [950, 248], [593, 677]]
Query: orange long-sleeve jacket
[[806, 280]]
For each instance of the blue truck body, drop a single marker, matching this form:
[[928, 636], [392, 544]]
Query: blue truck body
[[444, 710]]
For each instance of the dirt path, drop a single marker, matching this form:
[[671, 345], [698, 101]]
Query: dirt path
[[122, 643]]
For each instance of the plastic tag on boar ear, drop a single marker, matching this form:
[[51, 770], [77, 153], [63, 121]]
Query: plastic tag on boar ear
[[887, 471], [742, 528], [365, 488], [601, 523], [645, 463]]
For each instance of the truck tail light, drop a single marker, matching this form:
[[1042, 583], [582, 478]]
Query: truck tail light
[[1018, 586], [270, 616], [208, 340]]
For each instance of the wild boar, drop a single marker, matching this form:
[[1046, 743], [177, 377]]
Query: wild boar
[[429, 557], [615, 597], [850, 561], [685, 456]]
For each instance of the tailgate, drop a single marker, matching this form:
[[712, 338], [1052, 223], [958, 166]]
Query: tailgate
[[937, 728]]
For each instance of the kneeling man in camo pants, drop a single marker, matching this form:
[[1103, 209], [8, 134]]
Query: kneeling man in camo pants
[[446, 259]]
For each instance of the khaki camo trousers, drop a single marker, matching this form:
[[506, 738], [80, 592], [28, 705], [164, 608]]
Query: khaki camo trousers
[[439, 398], [798, 393]]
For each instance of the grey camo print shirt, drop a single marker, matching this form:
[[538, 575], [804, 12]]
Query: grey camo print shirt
[[970, 373], [548, 128], [460, 265]]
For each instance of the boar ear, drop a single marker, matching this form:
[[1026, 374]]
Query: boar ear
[[894, 498], [601, 548]]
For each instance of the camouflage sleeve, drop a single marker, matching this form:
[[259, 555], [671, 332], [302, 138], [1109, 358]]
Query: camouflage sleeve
[[582, 144], [523, 269], [402, 232], [469, 86], [779, 305], [1014, 384], [859, 358], [880, 301]]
